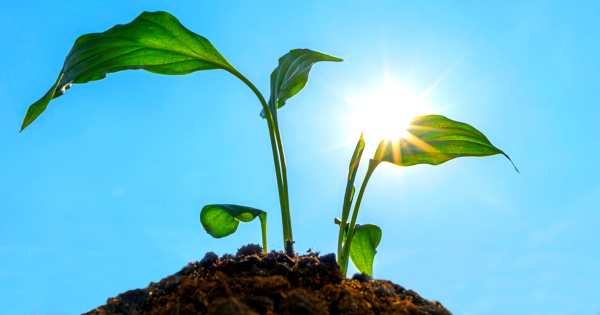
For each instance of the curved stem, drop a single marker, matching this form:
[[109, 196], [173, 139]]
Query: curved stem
[[274, 147], [346, 250]]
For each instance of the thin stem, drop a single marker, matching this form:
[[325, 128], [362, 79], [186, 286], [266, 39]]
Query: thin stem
[[372, 166], [348, 197], [263, 228], [271, 124], [284, 175]]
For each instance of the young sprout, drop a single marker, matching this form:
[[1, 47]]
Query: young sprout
[[223, 220], [431, 139], [158, 43]]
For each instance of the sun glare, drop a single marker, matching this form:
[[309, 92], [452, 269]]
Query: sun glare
[[385, 113]]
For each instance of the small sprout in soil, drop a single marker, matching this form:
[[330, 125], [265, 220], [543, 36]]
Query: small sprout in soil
[[158, 43], [431, 139]]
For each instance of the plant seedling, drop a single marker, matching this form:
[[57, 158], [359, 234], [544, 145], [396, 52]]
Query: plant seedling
[[431, 139], [158, 43]]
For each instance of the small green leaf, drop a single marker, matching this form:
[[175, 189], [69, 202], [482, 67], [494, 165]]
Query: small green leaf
[[349, 195], [222, 220], [291, 75], [154, 41], [362, 251], [355, 160], [434, 140]]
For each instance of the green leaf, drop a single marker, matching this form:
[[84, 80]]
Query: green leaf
[[434, 140], [291, 75], [355, 160], [222, 220], [362, 250], [154, 41]]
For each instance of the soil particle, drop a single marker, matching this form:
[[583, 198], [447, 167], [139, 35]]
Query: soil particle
[[250, 249], [362, 277], [252, 282], [230, 306]]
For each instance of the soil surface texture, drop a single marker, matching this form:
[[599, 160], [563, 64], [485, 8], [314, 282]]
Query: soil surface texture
[[252, 282]]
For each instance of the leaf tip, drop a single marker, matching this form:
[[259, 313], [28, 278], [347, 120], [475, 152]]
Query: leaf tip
[[511, 162], [27, 120]]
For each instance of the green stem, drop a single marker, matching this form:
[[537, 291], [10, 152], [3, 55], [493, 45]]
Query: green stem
[[290, 239], [348, 197], [346, 250], [272, 125], [263, 227]]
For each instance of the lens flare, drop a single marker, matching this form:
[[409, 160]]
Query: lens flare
[[386, 113]]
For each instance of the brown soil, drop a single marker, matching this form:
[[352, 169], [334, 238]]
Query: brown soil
[[256, 283]]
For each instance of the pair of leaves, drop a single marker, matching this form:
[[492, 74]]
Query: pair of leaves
[[435, 139], [158, 43], [364, 244], [221, 220]]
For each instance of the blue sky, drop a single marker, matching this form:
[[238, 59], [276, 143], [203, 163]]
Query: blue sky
[[102, 193]]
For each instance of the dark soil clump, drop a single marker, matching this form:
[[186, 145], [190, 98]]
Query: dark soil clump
[[252, 282]]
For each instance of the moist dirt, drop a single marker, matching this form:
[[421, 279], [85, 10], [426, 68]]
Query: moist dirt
[[252, 282]]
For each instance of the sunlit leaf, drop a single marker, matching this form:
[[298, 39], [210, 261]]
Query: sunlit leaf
[[154, 41], [291, 75], [434, 140], [222, 220], [362, 250]]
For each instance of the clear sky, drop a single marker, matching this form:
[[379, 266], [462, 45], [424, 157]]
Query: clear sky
[[102, 193]]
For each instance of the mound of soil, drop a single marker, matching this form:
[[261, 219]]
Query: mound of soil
[[252, 282]]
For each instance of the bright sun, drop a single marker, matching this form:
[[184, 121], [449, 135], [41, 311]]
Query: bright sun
[[385, 113]]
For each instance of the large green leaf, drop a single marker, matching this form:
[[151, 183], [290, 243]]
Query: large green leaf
[[435, 139], [291, 75], [222, 220], [362, 251], [154, 41]]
